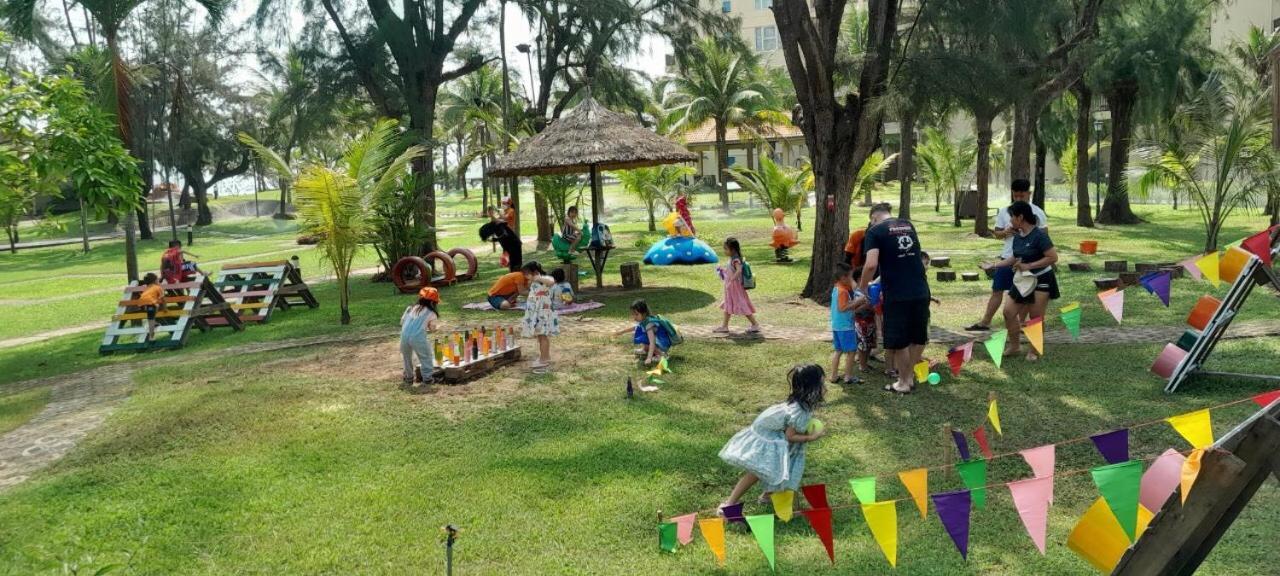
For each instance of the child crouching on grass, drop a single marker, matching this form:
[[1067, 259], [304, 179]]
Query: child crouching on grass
[[654, 333], [416, 323], [771, 450]]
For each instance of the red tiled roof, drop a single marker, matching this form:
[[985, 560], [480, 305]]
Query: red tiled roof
[[706, 133]]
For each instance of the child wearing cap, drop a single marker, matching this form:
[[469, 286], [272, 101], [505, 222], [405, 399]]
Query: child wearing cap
[[416, 322]]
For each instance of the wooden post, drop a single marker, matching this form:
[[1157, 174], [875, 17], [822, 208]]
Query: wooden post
[[571, 275], [631, 276]]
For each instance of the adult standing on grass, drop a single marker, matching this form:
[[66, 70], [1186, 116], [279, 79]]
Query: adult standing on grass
[[1002, 279], [893, 249], [1033, 253], [499, 231]]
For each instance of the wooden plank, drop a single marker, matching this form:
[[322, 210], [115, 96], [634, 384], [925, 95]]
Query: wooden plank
[[161, 329], [138, 346], [167, 299], [266, 264], [246, 294], [220, 321], [176, 286], [249, 305], [259, 282], [143, 315]]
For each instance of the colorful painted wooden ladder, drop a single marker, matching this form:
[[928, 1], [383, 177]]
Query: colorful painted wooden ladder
[[254, 289], [196, 302]]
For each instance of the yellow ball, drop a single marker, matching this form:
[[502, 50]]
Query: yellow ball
[[815, 426]]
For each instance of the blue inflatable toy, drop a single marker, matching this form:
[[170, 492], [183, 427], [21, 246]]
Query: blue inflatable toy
[[680, 250], [873, 294]]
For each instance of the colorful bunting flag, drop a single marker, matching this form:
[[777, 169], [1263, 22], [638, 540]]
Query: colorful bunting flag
[[968, 350], [882, 519], [1113, 301], [1031, 498], [1157, 283], [664, 365], [733, 513], [962, 445], [864, 489], [953, 510], [815, 495], [995, 345], [1114, 445], [667, 536], [980, 434], [917, 483], [1121, 486], [1071, 315], [1099, 539], [1266, 398], [1161, 479], [1190, 470], [1260, 245], [955, 359], [762, 528], [993, 415], [713, 532], [922, 371], [1232, 263], [1035, 334], [782, 503], [684, 528], [1196, 427], [1041, 460], [1190, 265], [974, 475], [1208, 265], [820, 520]]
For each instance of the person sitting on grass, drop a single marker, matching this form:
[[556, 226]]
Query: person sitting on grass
[[652, 332], [1033, 253], [416, 324], [505, 292], [151, 300], [771, 450], [562, 292], [844, 336]]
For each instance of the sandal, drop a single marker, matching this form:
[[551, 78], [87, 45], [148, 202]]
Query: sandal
[[753, 330], [834, 379], [850, 380], [975, 327], [721, 330], [890, 388]]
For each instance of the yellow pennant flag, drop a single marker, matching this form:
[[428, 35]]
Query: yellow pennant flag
[[882, 518], [1190, 469], [922, 371], [1035, 335], [713, 533], [917, 483], [782, 503], [1196, 427], [1098, 538], [1069, 307], [993, 414], [1208, 265]]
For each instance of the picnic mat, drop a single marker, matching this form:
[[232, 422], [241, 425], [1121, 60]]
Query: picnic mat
[[574, 308]]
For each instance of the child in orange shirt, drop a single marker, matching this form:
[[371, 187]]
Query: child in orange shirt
[[151, 299]]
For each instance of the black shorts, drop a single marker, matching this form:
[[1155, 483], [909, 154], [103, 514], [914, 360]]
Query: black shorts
[[906, 323], [151, 310], [1047, 282]]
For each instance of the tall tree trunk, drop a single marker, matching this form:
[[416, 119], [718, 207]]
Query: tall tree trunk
[[512, 190], [982, 125], [1024, 128], [1115, 207], [444, 164], [84, 225], [1039, 197], [120, 79], [203, 216], [906, 164], [1084, 101], [542, 213], [283, 212], [462, 174], [653, 223], [722, 162]]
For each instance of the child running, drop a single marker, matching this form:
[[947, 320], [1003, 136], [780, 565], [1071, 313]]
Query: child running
[[651, 332], [736, 301], [416, 323], [771, 450], [540, 320], [844, 335], [151, 299]]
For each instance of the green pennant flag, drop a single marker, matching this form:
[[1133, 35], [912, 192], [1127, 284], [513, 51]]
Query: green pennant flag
[[974, 475], [654, 380], [1120, 485], [762, 529], [995, 346], [667, 536], [1071, 318], [864, 489], [663, 364]]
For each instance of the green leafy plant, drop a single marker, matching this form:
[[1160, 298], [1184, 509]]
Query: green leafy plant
[[777, 187], [653, 185]]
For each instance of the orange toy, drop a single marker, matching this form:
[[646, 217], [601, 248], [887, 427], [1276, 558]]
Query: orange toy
[[784, 237]]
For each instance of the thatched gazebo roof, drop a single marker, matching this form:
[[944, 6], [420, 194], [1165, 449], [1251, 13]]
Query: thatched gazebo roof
[[590, 136]]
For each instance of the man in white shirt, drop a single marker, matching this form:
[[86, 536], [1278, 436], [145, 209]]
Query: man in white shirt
[[1002, 280]]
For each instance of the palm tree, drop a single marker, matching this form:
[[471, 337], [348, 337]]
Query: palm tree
[[775, 186], [945, 163], [877, 163], [722, 86], [1253, 50], [472, 107], [653, 185], [335, 203]]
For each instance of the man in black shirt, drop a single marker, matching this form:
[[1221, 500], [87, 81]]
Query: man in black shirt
[[893, 249]]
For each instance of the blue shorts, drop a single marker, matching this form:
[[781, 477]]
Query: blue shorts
[[845, 340], [641, 336], [1002, 280], [496, 301]]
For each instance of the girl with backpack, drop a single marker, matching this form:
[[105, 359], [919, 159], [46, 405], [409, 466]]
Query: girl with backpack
[[656, 334], [737, 278]]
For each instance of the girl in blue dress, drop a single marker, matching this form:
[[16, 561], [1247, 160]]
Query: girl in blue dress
[[771, 450]]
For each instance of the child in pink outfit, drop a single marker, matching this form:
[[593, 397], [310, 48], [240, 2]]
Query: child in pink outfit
[[736, 301], [682, 208]]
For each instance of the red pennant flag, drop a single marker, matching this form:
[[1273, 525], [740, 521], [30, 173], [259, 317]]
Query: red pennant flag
[[820, 520], [1260, 245], [980, 434], [956, 359], [816, 496], [1266, 398]]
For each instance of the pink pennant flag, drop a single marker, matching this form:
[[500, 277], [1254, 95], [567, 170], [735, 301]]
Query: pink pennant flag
[[1113, 300], [1031, 498], [968, 350], [1161, 479], [684, 528], [1041, 460], [980, 434], [1190, 265]]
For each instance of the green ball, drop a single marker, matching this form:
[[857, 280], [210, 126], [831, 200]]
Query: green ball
[[934, 378], [815, 426]]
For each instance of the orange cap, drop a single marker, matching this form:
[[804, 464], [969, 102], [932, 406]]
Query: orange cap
[[430, 293]]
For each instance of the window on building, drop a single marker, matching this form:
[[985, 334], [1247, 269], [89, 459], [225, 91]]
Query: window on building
[[766, 38], [726, 6], [764, 4]]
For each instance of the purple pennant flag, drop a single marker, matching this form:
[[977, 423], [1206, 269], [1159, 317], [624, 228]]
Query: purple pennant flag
[[1157, 283], [953, 509], [961, 444], [1114, 445], [733, 513]]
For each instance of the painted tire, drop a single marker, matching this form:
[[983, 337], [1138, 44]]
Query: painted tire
[[472, 265], [443, 262], [412, 284]]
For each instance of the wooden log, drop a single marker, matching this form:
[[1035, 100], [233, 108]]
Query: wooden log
[[1144, 267], [476, 368], [1129, 278], [941, 262], [946, 276], [631, 276], [571, 275], [1176, 272], [969, 276], [1116, 265], [1106, 283], [1079, 267]]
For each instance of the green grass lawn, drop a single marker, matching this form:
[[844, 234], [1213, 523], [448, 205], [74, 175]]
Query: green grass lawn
[[17, 408]]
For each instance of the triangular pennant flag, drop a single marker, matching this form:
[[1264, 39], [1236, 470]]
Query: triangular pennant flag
[[917, 483], [820, 520], [1114, 445], [968, 350], [1157, 283], [782, 503], [962, 445], [1121, 486], [993, 415], [667, 536], [1266, 398], [1208, 265], [1161, 479], [953, 510], [1196, 427], [815, 495], [864, 489], [922, 371], [762, 529], [974, 475], [1031, 498], [882, 518], [1041, 460], [684, 528], [1260, 245], [1190, 469], [980, 434], [1035, 334], [654, 380], [1098, 538], [713, 532], [955, 359], [733, 512], [1071, 319], [663, 365], [1113, 301], [995, 346], [1190, 265]]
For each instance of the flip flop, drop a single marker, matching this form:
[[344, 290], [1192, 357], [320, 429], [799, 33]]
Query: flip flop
[[890, 388], [720, 331]]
